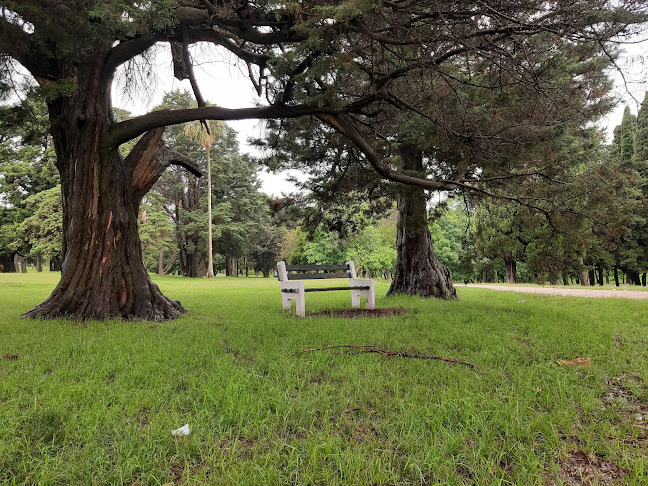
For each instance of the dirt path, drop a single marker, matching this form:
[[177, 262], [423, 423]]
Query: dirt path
[[569, 292]]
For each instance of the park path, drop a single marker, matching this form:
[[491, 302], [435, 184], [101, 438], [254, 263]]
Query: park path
[[569, 292]]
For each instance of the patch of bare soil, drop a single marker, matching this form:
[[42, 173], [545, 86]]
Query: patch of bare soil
[[355, 313], [581, 468], [625, 394]]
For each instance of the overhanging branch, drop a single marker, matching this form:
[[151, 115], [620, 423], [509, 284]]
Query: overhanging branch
[[129, 129]]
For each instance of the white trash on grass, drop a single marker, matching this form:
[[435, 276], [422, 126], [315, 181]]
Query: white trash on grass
[[184, 430]]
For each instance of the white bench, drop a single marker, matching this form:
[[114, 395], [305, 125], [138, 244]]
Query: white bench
[[292, 284]]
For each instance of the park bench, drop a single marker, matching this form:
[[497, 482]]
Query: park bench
[[291, 278]]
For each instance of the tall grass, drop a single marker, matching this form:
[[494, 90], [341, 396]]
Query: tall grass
[[95, 402]]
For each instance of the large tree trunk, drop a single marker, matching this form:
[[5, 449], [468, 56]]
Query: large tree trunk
[[418, 270], [39, 263], [6, 264], [582, 272], [55, 264], [511, 270], [231, 267], [102, 272], [160, 270]]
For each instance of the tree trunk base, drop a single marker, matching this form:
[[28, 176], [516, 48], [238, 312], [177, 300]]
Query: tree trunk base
[[418, 270], [153, 306]]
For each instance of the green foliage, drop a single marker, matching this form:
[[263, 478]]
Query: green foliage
[[373, 248], [453, 239], [43, 229], [627, 137], [156, 229], [30, 200]]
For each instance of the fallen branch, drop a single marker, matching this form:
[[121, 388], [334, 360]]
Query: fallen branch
[[386, 352]]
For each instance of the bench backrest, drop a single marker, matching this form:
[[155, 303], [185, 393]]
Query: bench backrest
[[307, 272]]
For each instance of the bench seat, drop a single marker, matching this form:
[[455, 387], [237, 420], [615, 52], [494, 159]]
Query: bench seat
[[293, 289]]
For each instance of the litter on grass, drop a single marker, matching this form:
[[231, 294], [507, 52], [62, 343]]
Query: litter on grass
[[184, 430]]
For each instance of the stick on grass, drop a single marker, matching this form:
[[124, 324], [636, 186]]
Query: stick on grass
[[386, 352]]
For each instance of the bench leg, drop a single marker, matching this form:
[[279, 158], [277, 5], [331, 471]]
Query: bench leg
[[300, 304], [355, 298], [298, 297], [370, 293], [285, 301], [371, 298]]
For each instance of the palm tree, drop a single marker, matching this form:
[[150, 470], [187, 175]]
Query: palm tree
[[204, 132]]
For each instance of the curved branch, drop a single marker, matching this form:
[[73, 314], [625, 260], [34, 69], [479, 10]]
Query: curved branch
[[150, 158], [346, 128], [215, 37], [343, 125], [127, 50], [16, 44], [129, 129]]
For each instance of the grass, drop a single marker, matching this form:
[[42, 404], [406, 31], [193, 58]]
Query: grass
[[95, 402]]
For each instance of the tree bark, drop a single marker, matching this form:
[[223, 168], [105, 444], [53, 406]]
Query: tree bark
[[616, 276], [643, 279], [582, 271], [565, 277], [418, 270], [231, 267], [600, 276], [174, 257], [6, 263], [161, 262], [511, 270], [55, 264], [23, 265], [102, 273], [39, 263], [210, 256], [16, 263]]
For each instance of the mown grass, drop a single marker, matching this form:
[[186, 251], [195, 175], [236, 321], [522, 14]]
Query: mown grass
[[95, 402]]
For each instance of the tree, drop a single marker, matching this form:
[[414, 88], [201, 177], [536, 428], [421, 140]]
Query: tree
[[240, 209], [41, 232], [27, 169], [299, 52], [628, 154], [157, 231], [205, 133]]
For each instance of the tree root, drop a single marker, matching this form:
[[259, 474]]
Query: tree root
[[387, 352]]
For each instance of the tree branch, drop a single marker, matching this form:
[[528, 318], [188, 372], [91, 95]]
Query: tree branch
[[127, 50], [218, 38], [16, 44], [129, 129], [150, 158], [346, 128]]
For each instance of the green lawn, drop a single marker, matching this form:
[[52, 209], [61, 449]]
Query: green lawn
[[95, 402]]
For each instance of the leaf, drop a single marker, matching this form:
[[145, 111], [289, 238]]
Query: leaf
[[586, 362]]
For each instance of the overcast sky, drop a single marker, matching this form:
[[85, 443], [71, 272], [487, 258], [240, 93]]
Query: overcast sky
[[225, 83]]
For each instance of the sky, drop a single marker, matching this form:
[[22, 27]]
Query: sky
[[225, 83]]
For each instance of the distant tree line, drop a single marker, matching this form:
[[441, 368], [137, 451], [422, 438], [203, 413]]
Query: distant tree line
[[349, 213]]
